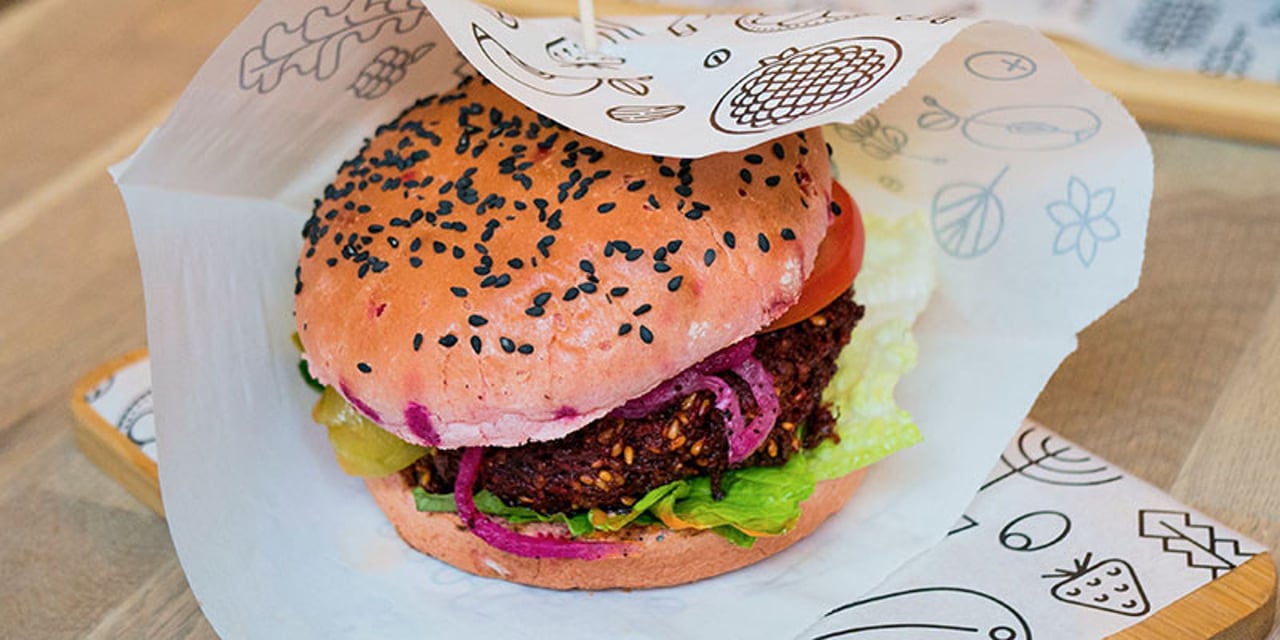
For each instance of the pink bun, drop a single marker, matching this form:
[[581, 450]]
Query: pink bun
[[565, 302], [660, 557]]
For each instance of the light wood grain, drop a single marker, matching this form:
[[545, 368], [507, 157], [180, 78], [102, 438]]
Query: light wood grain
[[1176, 384]]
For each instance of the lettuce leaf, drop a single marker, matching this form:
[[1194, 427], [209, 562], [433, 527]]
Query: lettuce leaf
[[490, 504]]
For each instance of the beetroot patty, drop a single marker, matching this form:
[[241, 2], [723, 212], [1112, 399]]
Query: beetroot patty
[[612, 462]]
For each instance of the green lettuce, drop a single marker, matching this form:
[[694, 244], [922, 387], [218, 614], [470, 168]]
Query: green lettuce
[[489, 504]]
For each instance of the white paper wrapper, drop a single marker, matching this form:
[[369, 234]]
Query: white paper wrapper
[[1036, 186]]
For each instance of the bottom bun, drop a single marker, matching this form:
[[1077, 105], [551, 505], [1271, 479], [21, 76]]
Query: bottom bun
[[659, 557]]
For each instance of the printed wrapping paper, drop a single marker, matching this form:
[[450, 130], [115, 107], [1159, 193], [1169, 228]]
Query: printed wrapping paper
[[1035, 186], [1059, 544]]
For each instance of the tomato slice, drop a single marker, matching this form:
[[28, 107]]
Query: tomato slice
[[839, 258]]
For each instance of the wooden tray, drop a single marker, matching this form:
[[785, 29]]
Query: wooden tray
[[1239, 605]]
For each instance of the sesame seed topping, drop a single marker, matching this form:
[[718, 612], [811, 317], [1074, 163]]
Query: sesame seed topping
[[772, 181], [730, 240], [787, 233], [763, 242], [778, 152], [417, 341], [835, 208], [506, 344], [448, 340], [460, 292], [674, 283], [571, 294], [635, 186], [534, 311], [618, 292], [477, 320], [642, 309], [476, 344], [646, 335], [753, 158], [542, 298], [708, 257], [363, 367], [624, 328], [525, 349]]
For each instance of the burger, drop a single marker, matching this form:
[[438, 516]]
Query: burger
[[568, 365]]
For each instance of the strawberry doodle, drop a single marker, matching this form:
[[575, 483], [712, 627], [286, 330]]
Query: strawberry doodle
[[1110, 585]]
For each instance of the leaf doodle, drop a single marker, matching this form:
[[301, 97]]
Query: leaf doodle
[[1052, 462], [313, 47], [1200, 543], [877, 140], [968, 217]]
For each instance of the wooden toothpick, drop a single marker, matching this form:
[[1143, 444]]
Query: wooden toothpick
[[587, 16]]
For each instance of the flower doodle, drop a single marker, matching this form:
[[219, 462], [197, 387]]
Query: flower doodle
[[1084, 220]]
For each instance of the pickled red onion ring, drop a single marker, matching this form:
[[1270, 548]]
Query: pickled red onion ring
[[504, 539], [745, 442]]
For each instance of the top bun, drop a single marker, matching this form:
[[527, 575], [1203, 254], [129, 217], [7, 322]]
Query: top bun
[[479, 275]]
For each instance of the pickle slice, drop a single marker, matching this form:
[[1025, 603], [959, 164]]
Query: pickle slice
[[362, 447]]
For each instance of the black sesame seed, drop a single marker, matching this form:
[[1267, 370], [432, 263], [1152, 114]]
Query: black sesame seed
[[745, 175], [571, 293], [417, 341], [835, 208], [507, 345], [693, 214], [331, 262], [778, 152], [542, 298], [364, 368], [753, 158], [674, 283], [525, 349], [618, 292], [642, 309], [709, 257], [448, 340], [439, 246], [461, 292], [674, 246], [515, 263], [661, 267], [730, 240], [586, 266], [635, 186], [666, 171], [624, 328], [635, 254], [762, 242], [646, 334], [606, 207], [458, 252], [534, 311], [476, 320], [416, 244], [787, 233], [587, 287], [772, 181], [476, 344], [660, 254], [684, 190], [415, 261]]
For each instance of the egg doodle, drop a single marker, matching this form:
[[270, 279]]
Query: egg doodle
[[925, 614]]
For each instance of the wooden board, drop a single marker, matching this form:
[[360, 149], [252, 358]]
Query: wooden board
[[1240, 605], [1180, 100]]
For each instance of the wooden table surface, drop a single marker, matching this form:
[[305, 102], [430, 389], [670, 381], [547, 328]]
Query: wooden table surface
[[1180, 384]]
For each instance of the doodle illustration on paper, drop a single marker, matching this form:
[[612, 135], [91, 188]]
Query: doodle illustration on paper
[[1042, 457], [100, 389], [1000, 66], [717, 58], [1084, 220], [1110, 585], [968, 217], [1201, 544], [577, 73], [1162, 26], [1035, 531], [891, 183], [642, 113], [613, 32], [791, 20], [925, 613], [386, 69], [878, 140], [313, 47], [799, 83], [683, 26], [138, 423], [965, 523], [1016, 128], [508, 20]]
